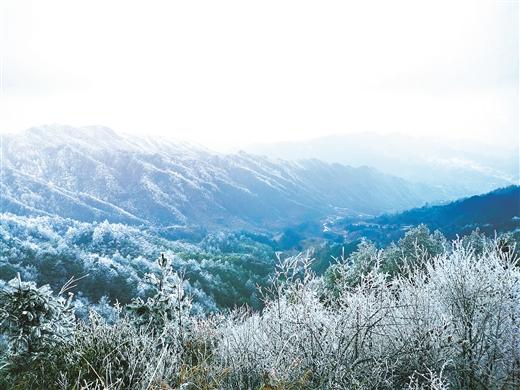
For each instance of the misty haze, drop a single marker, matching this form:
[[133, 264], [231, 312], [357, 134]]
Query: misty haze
[[275, 195]]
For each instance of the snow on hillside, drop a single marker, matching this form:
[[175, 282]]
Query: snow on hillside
[[94, 173]]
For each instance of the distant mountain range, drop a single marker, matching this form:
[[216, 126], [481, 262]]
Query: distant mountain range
[[497, 211], [92, 174], [461, 168]]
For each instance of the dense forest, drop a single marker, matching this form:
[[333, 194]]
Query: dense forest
[[421, 313], [111, 259], [496, 211], [222, 269]]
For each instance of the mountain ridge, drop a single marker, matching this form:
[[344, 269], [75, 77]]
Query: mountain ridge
[[94, 173], [462, 168], [497, 211]]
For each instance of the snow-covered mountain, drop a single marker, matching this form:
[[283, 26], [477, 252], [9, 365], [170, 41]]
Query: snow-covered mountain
[[462, 167], [93, 173]]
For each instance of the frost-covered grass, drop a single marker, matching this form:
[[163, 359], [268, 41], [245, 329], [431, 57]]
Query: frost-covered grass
[[447, 320]]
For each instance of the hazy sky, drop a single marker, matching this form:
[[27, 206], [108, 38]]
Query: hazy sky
[[226, 73]]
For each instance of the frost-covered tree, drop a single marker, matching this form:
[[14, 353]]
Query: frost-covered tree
[[413, 250], [168, 309], [348, 271], [32, 317], [35, 322]]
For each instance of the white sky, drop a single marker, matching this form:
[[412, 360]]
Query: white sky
[[227, 73]]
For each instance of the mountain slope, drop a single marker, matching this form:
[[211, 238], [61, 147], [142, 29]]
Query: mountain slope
[[94, 173], [496, 211], [461, 168]]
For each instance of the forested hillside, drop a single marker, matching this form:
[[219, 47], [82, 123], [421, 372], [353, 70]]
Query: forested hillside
[[93, 174], [222, 270], [497, 211]]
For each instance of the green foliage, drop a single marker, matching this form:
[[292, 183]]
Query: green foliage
[[33, 318], [412, 251], [169, 305], [36, 322]]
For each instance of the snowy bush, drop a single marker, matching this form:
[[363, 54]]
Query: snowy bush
[[449, 319], [453, 321], [35, 322]]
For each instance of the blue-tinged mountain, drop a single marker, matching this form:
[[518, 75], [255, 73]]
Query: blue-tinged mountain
[[460, 167], [497, 211], [92, 174]]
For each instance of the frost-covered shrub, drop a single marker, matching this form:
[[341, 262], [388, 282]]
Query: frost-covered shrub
[[115, 356], [452, 322], [410, 252], [278, 346], [416, 247], [33, 318], [480, 297], [167, 312], [35, 323]]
